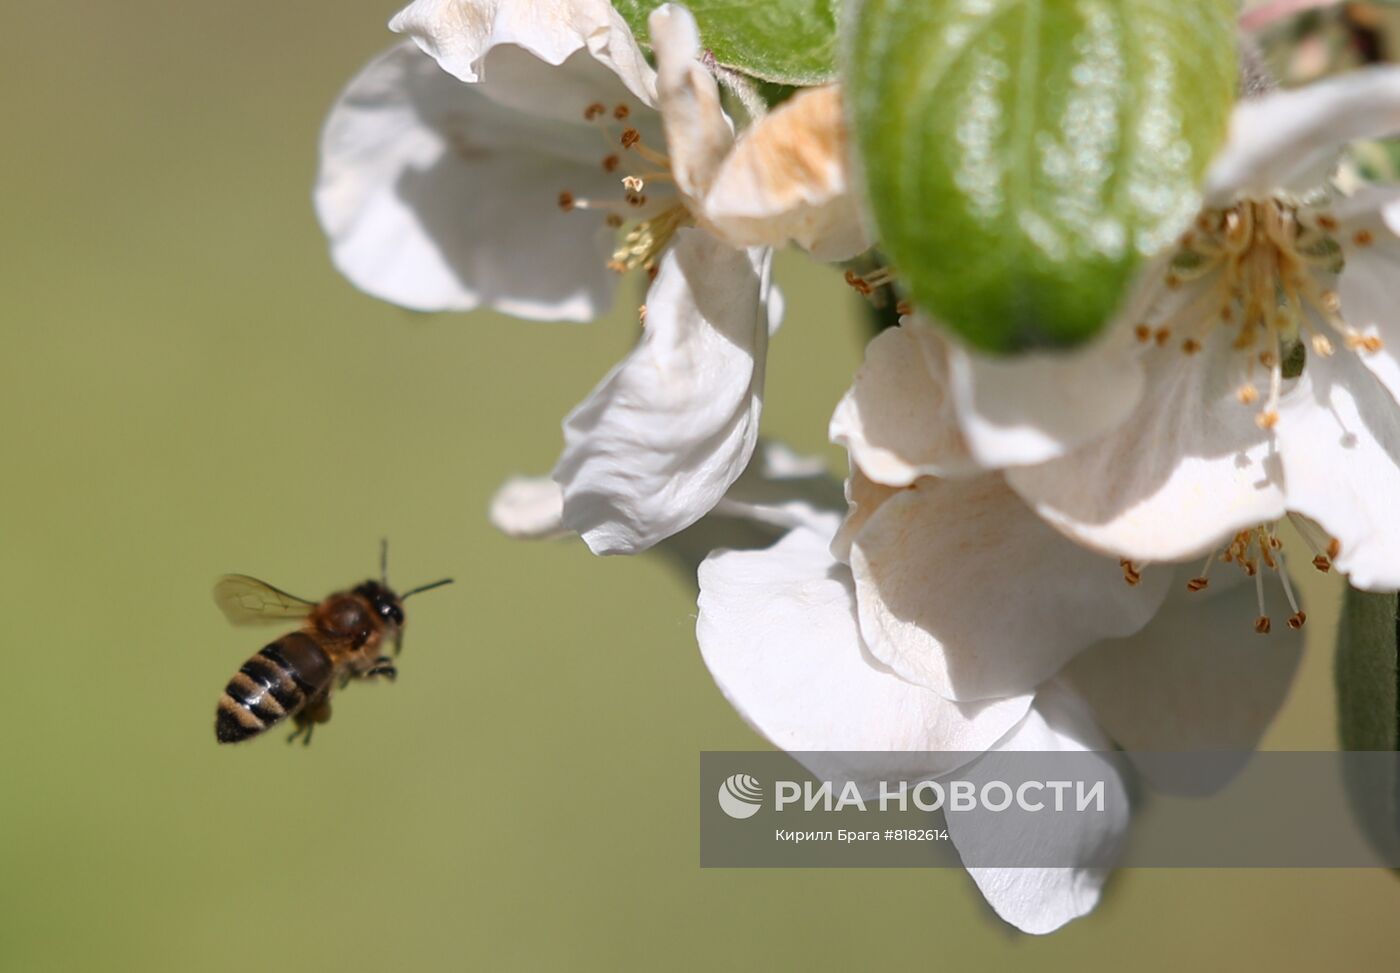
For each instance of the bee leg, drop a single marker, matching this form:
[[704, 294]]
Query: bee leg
[[317, 710], [383, 666]]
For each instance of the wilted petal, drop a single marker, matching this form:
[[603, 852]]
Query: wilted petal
[[1339, 437], [698, 134], [788, 178], [1188, 468], [1035, 899], [777, 629], [529, 507], [964, 590], [1197, 678], [898, 419], [460, 34], [659, 441], [1291, 139], [436, 197]]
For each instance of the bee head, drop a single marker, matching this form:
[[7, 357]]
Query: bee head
[[387, 605]]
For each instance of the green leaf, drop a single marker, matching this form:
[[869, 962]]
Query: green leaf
[[784, 41], [1368, 710], [1021, 157], [1367, 675]]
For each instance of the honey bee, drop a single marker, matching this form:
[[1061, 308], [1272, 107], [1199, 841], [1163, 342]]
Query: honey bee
[[339, 640]]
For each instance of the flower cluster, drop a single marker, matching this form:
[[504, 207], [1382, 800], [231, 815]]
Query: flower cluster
[[1067, 551]]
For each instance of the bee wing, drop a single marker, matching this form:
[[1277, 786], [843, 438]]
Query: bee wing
[[248, 601]]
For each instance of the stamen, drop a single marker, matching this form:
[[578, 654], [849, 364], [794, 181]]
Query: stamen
[[1131, 575], [1201, 580], [866, 285], [644, 242], [1250, 551], [1268, 418], [1262, 623], [1265, 269], [1298, 618], [1308, 530], [632, 139]]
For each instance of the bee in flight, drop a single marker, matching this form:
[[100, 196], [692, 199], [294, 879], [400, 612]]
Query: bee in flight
[[339, 640]]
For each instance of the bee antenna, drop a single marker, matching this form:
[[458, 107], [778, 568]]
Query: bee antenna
[[384, 561], [424, 587]]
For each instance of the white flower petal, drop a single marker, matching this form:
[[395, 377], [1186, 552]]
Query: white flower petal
[[1339, 437], [460, 34], [1290, 139], [1188, 468], [964, 590], [898, 420], [783, 488], [1039, 900], [1367, 283], [437, 198], [788, 178], [698, 134], [660, 440], [529, 507], [1197, 678], [777, 629], [1032, 408], [863, 497]]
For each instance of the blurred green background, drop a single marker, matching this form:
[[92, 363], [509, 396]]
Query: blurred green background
[[187, 388]]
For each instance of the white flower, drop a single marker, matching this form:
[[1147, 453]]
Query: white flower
[[527, 188], [778, 491], [801, 645], [1254, 372]]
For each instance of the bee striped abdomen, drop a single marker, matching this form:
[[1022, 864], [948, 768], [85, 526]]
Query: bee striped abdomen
[[273, 685]]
